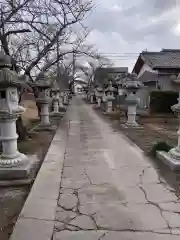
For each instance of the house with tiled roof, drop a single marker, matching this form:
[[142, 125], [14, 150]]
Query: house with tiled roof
[[155, 71]]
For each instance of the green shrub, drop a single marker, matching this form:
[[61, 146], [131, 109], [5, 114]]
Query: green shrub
[[160, 146], [162, 101]]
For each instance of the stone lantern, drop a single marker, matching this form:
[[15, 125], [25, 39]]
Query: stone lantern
[[172, 158], [65, 98], [43, 86], [61, 104], [120, 81], [132, 85], [121, 91], [55, 93], [99, 95], [92, 93], [13, 164], [109, 96]]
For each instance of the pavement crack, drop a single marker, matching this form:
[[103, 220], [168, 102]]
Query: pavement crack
[[89, 179], [166, 186], [103, 235], [76, 193], [142, 174], [157, 206]]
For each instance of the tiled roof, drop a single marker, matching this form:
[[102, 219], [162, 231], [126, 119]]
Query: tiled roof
[[113, 69], [163, 59]]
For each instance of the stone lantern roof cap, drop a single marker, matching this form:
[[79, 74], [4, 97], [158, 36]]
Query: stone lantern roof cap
[[5, 60], [8, 77], [43, 82], [132, 82]]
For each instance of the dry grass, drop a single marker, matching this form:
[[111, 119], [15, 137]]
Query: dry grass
[[31, 112]]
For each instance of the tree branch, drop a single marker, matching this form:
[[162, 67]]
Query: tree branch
[[17, 31]]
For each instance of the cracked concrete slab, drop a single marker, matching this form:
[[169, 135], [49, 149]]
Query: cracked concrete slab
[[119, 193], [84, 222], [138, 236], [108, 188], [68, 201], [78, 235]]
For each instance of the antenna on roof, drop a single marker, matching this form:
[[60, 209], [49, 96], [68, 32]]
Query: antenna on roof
[[145, 50]]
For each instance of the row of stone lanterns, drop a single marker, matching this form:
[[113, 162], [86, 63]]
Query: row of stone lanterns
[[127, 84], [49, 94], [13, 164]]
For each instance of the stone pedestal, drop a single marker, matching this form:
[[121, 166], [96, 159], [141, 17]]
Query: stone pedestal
[[45, 124], [13, 164], [131, 114], [44, 114], [10, 155]]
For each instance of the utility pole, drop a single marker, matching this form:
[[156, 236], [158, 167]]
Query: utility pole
[[73, 71], [58, 65]]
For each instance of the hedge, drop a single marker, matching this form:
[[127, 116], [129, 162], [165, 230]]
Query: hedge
[[162, 101]]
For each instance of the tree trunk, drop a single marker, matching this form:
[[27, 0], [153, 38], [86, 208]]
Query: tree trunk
[[21, 129]]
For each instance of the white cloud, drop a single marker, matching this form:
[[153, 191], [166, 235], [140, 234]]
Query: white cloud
[[121, 26]]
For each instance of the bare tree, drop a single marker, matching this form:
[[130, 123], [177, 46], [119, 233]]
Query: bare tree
[[30, 30], [96, 62]]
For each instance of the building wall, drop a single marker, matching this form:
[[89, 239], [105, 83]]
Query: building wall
[[166, 83], [144, 95], [144, 68]]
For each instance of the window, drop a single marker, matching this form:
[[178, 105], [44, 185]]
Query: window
[[3, 94]]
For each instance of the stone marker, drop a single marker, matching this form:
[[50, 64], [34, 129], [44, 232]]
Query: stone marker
[[13, 164]]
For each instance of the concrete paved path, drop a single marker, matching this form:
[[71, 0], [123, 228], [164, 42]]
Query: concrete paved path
[[109, 190], [94, 184]]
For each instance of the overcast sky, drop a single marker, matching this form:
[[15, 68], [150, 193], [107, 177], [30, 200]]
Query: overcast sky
[[124, 26]]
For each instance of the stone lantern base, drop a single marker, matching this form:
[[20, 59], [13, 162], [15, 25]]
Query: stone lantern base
[[44, 124], [44, 127], [168, 159], [135, 125], [25, 170], [56, 117]]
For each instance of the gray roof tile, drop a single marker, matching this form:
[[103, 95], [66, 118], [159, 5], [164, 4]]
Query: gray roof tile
[[163, 59]]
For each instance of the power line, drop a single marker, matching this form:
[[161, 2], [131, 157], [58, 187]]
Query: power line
[[120, 53]]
